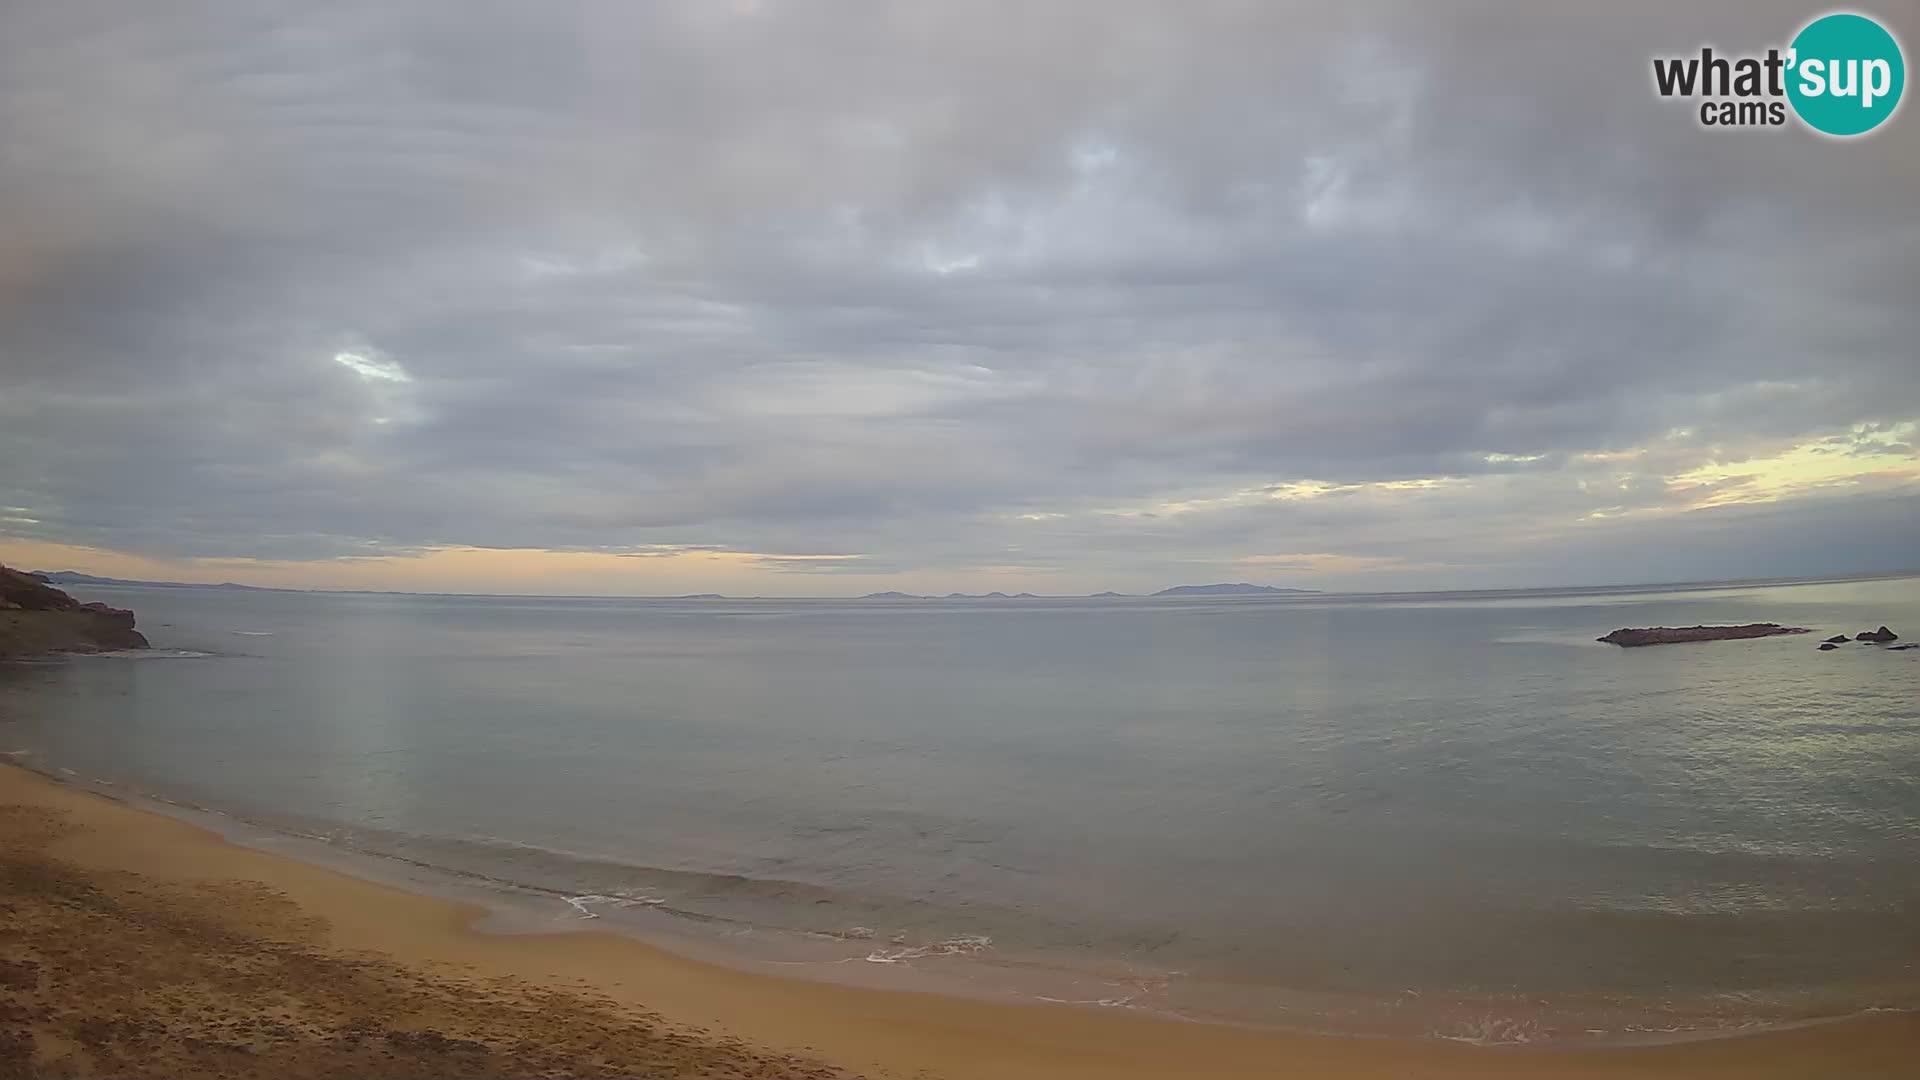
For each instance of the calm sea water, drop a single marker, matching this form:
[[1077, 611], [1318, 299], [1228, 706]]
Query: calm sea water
[[1243, 805]]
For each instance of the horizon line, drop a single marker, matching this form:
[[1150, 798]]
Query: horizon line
[[884, 595]]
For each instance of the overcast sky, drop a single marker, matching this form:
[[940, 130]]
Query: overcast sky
[[822, 298]]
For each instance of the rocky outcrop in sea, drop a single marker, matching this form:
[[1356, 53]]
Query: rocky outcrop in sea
[[1674, 635]]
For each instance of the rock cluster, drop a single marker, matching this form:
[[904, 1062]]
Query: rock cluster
[[1882, 636]]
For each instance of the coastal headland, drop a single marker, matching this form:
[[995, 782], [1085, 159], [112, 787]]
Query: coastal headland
[[36, 618]]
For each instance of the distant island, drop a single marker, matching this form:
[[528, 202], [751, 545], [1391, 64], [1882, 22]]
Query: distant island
[[1222, 589], [1240, 588], [890, 595]]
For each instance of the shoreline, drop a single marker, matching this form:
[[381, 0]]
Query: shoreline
[[879, 1032], [979, 969]]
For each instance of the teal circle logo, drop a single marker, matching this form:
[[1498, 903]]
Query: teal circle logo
[[1846, 74]]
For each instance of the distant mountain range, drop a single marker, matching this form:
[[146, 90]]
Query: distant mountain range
[[74, 577], [950, 596], [1240, 588], [1222, 589]]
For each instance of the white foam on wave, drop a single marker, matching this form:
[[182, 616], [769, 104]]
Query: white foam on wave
[[1491, 1030], [151, 654], [1105, 1003], [851, 933], [963, 945], [618, 900], [254, 633]]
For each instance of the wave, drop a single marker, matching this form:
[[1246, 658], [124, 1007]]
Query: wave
[[619, 900], [964, 945], [1492, 1030], [1504, 1020], [595, 887], [151, 654]]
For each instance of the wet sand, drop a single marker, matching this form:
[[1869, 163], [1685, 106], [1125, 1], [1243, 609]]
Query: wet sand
[[134, 944]]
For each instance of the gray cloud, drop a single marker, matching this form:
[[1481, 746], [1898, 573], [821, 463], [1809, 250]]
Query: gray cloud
[[950, 287]]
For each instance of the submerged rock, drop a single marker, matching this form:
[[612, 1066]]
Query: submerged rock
[[1672, 635], [1828, 646], [1838, 639]]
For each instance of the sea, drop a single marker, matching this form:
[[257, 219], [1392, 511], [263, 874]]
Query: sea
[[1450, 815]]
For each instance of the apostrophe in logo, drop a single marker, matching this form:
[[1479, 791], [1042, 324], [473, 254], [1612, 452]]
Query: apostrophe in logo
[[1846, 74], [1842, 75]]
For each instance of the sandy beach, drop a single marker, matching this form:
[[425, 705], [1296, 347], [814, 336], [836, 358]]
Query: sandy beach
[[140, 945]]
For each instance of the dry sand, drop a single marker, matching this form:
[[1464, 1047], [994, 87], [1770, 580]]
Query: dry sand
[[135, 944]]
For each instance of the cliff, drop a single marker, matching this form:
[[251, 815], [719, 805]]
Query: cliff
[[37, 618]]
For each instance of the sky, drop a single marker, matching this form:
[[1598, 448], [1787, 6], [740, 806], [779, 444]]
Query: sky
[[826, 298]]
